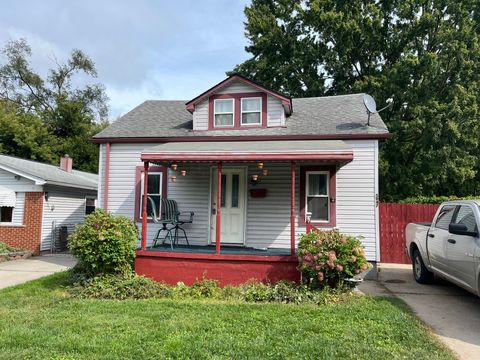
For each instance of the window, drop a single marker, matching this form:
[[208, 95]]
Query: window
[[89, 205], [317, 195], [251, 111], [223, 110], [6, 214], [157, 188], [317, 198], [466, 216], [445, 217]]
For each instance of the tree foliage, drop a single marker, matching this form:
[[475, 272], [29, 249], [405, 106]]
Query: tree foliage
[[424, 54], [47, 117]]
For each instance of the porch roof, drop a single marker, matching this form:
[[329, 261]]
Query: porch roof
[[293, 150]]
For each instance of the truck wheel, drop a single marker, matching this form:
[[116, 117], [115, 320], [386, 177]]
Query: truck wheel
[[420, 272]]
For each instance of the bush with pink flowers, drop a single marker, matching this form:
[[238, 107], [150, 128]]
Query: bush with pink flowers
[[328, 258]]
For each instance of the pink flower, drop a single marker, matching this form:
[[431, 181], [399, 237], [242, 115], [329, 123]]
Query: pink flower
[[319, 242], [318, 267], [357, 271], [339, 268], [353, 258], [330, 264], [364, 267], [332, 255], [321, 276]]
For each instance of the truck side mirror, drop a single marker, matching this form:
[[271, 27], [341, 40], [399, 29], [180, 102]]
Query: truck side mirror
[[460, 229]]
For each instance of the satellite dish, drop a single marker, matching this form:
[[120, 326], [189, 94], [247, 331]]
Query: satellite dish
[[371, 106], [370, 103]]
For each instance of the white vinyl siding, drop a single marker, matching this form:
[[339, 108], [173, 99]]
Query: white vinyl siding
[[237, 87], [65, 207], [19, 210], [275, 112], [101, 172], [200, 116], [268, 219]]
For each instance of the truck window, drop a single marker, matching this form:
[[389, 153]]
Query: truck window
[[466, 216], [445, 217]]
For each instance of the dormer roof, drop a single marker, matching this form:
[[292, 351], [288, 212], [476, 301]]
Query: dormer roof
[[286, 100]]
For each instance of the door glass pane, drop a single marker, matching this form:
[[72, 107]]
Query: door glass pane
[[224, 190], [235, 186], [153, 184], [318, 206], [445, 217], [317, 184], [466, 217]]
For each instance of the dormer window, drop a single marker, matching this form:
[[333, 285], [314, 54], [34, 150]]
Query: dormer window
[[223, 112], [251, 111]]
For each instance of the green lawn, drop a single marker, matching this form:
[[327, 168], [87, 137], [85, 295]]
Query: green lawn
[[38, 321]]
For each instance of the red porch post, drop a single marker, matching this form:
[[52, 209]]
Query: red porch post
[[292, 212], [144, 212], [219, 205]]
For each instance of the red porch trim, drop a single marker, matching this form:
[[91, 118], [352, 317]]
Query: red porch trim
[[333, 193], [292, 212], [227, 269], [345, 156], [138, 188], [231, 257], [237, 111], [380, 136], [286, 101], [144, 213], [218, 233], [107, 176]]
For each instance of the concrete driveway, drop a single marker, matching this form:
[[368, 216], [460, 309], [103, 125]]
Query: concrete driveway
[[20, 271], [452, 313]]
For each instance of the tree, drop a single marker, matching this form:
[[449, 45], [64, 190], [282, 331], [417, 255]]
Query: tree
[[423, 53], [71, 114]]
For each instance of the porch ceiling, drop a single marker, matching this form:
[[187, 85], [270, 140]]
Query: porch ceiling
[[293, 150]]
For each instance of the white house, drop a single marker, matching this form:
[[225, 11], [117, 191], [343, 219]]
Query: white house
[[41, 203], [280, 161]]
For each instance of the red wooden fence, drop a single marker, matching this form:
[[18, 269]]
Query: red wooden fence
[[393, 220]]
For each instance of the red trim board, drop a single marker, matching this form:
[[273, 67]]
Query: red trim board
[[379, 136]]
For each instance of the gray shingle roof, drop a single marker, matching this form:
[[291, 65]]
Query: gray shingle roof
[[51, 174], [330, 115]]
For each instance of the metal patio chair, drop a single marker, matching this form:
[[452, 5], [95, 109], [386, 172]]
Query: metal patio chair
[[170, 216]]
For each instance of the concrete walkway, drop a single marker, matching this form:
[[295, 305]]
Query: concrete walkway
[[451, 312], [20, 271]]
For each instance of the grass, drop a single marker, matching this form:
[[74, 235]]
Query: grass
[[39, 321]]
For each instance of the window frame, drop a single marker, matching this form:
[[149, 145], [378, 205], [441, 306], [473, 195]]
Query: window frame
[[307, 185], [90, 198], [11, 220], [331, 171], [224, 113], [454, 214], [139, 188], [251, 112]]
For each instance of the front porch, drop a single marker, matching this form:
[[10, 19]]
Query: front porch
[[253, 233]]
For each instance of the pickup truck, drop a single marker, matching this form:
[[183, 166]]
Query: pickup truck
[[449, 246]]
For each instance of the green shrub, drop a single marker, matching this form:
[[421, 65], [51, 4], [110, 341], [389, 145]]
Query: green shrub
[[329, 257], [4, 248], [434, 199], [120, 287], [105, 243], [130, 286]]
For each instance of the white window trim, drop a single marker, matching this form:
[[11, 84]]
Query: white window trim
[[224, 113], [142, 183], [307, 181], [250, 112]]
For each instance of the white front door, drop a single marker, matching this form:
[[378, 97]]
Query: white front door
[[232, 206]]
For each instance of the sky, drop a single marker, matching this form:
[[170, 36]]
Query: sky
[[142, 49]]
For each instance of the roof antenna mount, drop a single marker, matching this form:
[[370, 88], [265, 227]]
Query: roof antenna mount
[[371, 106]]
